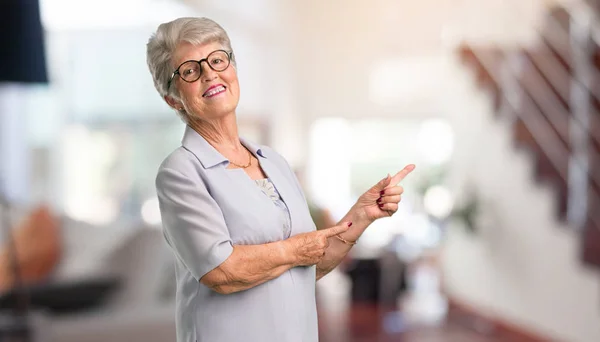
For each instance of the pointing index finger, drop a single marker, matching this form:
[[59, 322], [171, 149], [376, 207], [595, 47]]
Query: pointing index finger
[[403, 173], [337, 229]]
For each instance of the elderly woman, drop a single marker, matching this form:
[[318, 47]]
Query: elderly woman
[[247, 252]]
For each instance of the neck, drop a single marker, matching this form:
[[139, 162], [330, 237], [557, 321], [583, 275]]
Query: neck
[[221, 133]]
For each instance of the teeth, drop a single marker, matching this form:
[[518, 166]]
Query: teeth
[[215, 91]]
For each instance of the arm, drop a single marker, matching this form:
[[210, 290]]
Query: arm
[[337, 249], [249, 266], [379, 201]]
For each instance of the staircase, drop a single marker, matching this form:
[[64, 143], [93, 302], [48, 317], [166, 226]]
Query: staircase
[[551, 93]]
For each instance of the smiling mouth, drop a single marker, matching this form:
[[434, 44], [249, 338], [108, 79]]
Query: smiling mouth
[[214, 91]]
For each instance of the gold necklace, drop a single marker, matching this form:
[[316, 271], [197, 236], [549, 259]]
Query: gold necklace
[[244, 166]]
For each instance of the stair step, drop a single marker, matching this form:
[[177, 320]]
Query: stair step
[[590, 239]]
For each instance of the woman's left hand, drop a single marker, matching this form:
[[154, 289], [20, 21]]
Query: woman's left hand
[[382, 199]]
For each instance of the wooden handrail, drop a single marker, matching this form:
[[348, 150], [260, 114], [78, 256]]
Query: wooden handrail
[[553, 70], [551, 107]]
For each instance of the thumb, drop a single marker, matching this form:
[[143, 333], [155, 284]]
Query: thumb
[[335, 230]]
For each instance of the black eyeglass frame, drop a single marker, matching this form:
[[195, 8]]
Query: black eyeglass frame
[[176, 72]]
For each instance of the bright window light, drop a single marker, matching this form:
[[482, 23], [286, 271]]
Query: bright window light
[[329, 167], [151, 212], [438, 201], [85, 174], [436, 141]]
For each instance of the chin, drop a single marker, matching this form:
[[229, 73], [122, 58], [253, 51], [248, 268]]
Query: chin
[[222, 110]]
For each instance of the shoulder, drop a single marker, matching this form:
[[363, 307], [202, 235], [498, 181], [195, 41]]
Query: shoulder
[[180, 163]]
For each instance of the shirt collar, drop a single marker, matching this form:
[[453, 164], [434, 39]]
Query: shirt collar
[[206, 153], [252, 147]]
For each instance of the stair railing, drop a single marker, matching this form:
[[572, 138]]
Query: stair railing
[[535, 121]]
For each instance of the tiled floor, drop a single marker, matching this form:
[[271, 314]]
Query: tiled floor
[[360, 323], [421, 320]]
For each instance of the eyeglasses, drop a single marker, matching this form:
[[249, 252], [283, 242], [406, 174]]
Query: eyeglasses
[[190, 71]]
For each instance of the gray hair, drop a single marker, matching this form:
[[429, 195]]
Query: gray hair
[[162, 45]]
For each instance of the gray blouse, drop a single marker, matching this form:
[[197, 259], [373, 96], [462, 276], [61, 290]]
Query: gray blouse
[[206, 209]]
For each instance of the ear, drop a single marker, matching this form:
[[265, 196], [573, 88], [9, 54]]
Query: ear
[[173, 103]]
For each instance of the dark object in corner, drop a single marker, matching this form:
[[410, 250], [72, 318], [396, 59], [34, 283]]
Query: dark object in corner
[[64, 297], [22, 40]]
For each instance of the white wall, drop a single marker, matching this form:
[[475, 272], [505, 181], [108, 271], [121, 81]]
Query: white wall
[[524, 265]]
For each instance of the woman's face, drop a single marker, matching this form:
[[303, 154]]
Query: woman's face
[[214, 94]]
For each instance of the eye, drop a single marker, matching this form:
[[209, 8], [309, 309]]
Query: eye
[[216, 61], [188, 72]]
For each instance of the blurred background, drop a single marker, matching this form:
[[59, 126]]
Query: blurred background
[[496, 102]]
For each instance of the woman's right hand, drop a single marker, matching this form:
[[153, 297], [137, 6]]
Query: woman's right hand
[[309, 248]]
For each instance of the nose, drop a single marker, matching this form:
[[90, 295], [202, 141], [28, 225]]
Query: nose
[[208, 74]]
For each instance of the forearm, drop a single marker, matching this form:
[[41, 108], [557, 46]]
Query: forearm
[[337, 249], [249, 266]]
